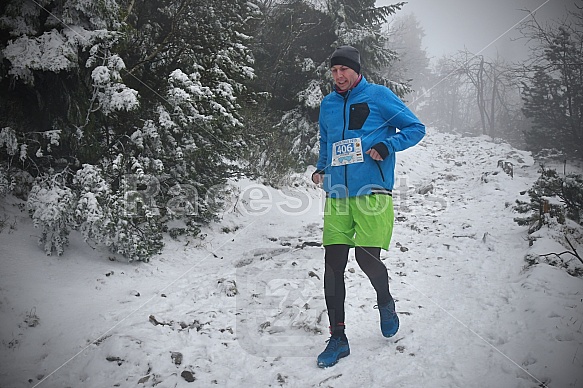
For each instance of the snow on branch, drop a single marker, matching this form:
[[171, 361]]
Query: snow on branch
[[53, 51], [113, 95]]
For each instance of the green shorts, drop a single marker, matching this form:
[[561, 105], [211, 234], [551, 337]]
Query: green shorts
[[363, 221]]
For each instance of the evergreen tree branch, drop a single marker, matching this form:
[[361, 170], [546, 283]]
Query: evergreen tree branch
[[129, 11]]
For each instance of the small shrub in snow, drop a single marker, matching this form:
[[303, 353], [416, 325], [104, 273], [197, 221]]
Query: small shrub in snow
[[4, 184], [557, 203], [552, 197], [50, 204], [102, 216], [90, 217], [134, 237]]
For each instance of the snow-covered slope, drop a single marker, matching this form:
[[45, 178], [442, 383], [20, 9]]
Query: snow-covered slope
[[244, 307]]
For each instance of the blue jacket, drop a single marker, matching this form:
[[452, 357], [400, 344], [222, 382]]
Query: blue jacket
[[372, 113]]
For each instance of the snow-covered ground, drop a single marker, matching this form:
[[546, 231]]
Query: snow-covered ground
[[244, 306]]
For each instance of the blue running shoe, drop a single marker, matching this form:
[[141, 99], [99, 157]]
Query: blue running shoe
[[336, 349], [389, 319]]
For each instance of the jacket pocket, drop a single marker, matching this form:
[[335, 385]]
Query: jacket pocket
[[380, 170], [358, 115]]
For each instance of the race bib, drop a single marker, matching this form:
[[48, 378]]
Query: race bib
[[347, 152]]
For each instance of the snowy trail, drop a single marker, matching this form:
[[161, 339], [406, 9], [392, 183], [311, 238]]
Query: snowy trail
[[245, 307], [472, 262]]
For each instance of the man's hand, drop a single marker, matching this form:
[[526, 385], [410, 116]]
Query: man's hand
[[378, 152], [374, 154], [317, 177]]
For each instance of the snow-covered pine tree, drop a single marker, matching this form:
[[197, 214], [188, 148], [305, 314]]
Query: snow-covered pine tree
[[552, 197], [405, 37], [537, 213], [54, 88], [50, 203], [194, 65], [292, 43], [553, 97], [140, 99], [543, 105]]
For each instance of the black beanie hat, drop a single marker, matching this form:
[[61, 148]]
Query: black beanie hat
[[346, 56]]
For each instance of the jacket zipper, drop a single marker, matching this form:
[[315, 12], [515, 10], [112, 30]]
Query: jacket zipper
[[380, 170], [343, 132]]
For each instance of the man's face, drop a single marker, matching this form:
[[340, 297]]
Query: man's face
[[344, 77]]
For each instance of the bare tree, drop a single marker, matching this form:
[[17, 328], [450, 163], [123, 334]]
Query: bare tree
[[495, 90]]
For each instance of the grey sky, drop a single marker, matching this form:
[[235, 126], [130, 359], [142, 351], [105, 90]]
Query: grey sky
[[479, 25]]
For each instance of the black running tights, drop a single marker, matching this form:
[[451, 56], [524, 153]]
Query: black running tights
[[336, 258]]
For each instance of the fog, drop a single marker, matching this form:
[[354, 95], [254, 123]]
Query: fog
[[482, 27]]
